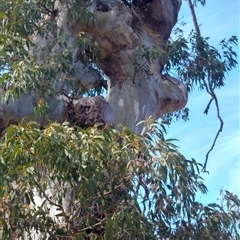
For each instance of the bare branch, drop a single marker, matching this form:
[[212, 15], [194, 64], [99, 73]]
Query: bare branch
[[214, 97], [195, 22], [208, 106]]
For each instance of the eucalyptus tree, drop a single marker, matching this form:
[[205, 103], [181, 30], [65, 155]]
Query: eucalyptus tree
[[83, 84]]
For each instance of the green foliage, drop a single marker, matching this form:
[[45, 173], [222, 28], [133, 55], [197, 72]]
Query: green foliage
[[122, 186], [79, 11], [21, 72], [41, 108], [91, 165], [194, 61], [88, 49], [193, 67], [198, 64], [202, 2], [119, 185]]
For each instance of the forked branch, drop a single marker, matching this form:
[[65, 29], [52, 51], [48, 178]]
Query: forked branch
[[207, 84]]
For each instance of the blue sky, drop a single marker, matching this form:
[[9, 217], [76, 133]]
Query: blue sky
[[218, 19]]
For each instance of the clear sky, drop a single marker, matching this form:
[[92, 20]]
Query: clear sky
[[219, 19]]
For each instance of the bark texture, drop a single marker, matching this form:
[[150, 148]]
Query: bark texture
[[136, 89]]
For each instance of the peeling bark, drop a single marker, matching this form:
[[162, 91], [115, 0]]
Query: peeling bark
[[136, 89]]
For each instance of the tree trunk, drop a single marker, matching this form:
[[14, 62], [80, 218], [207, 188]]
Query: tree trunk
[[136, 89]]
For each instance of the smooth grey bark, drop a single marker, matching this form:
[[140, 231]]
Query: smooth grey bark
[[136, 88]]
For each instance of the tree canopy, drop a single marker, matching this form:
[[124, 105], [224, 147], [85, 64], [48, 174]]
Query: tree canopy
[[82, 152]]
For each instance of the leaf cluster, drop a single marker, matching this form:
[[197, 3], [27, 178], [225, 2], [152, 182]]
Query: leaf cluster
[[70, 183], [63, 182], [26, 65]]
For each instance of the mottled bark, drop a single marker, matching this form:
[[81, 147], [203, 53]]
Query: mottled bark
[[136, 88]]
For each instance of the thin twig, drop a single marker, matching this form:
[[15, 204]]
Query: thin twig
[[214, 97], [52, 202], [208, 106]]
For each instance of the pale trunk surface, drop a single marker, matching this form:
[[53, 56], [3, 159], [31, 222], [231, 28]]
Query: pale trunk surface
[[136, 89]]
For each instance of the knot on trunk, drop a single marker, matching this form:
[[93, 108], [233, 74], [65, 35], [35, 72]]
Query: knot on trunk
[[86, 112]]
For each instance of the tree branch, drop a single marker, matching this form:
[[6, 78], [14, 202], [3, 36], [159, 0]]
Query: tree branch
[[208, 86], [214, 97], [208, 106]]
